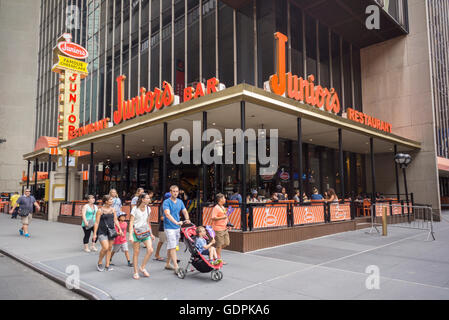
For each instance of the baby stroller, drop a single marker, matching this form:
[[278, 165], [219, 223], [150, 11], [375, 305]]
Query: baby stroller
[[199, 262]]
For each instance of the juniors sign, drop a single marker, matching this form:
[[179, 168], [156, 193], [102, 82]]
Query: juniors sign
[[295, 87], [298, 88], [146, 102], [71, 71]]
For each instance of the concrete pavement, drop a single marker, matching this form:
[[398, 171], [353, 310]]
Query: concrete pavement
[[331, 267]]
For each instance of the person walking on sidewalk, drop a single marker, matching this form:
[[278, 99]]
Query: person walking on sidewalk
[[121, 242], [25, 204], [104, 229], [116, 202], [88, 214], [172, 224], [161, 235], [13, 201], [219, 224], [140, 232], [139, 191]]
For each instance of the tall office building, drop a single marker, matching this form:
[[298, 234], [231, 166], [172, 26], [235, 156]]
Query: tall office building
[[19, 39]]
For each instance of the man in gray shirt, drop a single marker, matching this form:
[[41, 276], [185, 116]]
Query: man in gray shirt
[[26, 203]]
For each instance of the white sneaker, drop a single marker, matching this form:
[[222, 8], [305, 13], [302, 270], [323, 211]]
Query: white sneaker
[[86, 250], [94, 249]]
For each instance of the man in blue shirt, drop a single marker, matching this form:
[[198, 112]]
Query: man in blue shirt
[[26, 203], [172, 208], [236, 195]]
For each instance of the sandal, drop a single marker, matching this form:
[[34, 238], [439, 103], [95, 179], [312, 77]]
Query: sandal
[[159, 259], [136, 276], [144, 272], [169, 267]]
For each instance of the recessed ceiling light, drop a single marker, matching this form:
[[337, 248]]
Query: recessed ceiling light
[[117, 146], [213, 123], [310, 139], [143, 140]]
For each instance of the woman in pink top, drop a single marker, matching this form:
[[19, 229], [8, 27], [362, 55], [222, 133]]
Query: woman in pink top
[[219, 224]]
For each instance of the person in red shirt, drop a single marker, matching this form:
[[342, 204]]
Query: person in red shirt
[[120, 242], [219, 224]]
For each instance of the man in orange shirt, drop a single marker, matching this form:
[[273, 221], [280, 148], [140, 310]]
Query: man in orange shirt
[[219, 224]]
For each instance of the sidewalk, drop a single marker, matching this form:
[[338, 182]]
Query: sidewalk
[[331, 267]]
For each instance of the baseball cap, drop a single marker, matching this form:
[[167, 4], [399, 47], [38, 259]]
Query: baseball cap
[[121, 214]]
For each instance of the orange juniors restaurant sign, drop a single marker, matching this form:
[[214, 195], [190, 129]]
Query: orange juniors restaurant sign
[[294, 87]]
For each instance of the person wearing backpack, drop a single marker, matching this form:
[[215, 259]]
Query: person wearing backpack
[[89, 212], [25, 203]]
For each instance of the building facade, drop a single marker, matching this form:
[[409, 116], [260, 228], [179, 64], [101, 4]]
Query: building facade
[[382, 72], [18, 71]]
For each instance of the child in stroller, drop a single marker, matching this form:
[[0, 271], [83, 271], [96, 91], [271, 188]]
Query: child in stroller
[[204, 248], [197, 259]]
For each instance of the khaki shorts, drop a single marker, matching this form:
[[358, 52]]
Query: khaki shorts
[[222, 239], [27, 220], [162, 237]]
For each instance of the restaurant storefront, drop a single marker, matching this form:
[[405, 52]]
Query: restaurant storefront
[[201, 65]]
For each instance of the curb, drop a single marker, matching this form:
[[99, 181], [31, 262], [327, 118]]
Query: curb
[[82, 290]]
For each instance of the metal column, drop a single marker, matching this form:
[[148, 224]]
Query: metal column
[[122, 167], [396, 173], [243, 171], [164, 162], [36, 169], [66, 195], [373, 173], [28, 174], [203, 144], [91, 169], [342, 171], [300, 169]]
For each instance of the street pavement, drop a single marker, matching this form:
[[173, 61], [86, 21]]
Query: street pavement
[[339, 266], [17, 282]]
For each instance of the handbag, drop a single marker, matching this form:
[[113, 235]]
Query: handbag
[[143, 232], [91, 222], [112, 233]]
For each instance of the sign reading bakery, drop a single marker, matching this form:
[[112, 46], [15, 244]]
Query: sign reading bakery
[[67, 61], [285, 84]]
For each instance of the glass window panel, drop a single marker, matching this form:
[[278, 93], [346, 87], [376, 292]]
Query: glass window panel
[[179, 49], [193, 41], [265, 45], [208, 39], [357, 78], [311, 46], [166, 46], [347, 75], [336, 69], [297, 66], [225, 45], [324, 56], [245, 45]]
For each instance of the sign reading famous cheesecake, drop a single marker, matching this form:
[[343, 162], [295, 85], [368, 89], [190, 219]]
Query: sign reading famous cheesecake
[[67, 62]]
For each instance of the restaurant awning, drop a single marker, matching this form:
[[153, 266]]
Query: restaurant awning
[[263, 110]]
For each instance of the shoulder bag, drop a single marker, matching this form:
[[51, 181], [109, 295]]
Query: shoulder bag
[[144, 231]]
